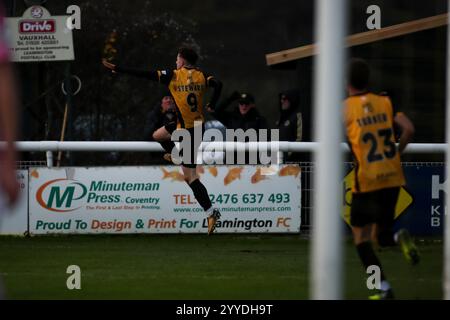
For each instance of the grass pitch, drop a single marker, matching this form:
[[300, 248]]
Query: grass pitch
[[181, 267]]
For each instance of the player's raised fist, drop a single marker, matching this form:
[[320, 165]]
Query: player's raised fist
[[109, 65]]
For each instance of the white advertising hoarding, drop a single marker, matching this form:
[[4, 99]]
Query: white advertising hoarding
[[14, 221], [126, 200], [38, 36]]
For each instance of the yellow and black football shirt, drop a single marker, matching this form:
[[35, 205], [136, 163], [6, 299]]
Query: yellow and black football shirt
[[187, 86], [369, 123]]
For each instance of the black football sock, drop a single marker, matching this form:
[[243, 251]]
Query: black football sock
[[201, 194], [368, 257]]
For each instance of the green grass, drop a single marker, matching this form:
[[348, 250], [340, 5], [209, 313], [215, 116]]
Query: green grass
[[195, 267]]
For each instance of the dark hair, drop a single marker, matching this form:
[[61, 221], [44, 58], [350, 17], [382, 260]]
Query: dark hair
[[188, 54], [358, 74]]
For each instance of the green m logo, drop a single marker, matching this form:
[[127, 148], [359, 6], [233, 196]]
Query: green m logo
[[60, 195]]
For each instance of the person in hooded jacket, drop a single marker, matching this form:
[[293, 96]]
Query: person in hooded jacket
[[290, 123]]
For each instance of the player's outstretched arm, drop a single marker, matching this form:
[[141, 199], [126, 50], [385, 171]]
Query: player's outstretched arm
[[407, 130], [145, 74]]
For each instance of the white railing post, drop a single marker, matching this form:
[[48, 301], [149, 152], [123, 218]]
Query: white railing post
[[280, 157], [49, 156]]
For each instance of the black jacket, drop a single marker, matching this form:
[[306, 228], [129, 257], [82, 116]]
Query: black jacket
[[235, 120], [290, 122]]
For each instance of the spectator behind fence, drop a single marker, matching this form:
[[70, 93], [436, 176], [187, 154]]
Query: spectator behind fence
[[163, 115], [290, 123], [244, 116]]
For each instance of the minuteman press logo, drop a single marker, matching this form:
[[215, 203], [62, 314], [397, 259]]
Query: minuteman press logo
[[61, 195]]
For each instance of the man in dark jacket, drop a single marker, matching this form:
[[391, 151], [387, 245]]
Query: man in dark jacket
[[290, 123], [244, 116], [163, 115]]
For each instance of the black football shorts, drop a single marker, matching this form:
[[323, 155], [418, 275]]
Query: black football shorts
[[374, 207]]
